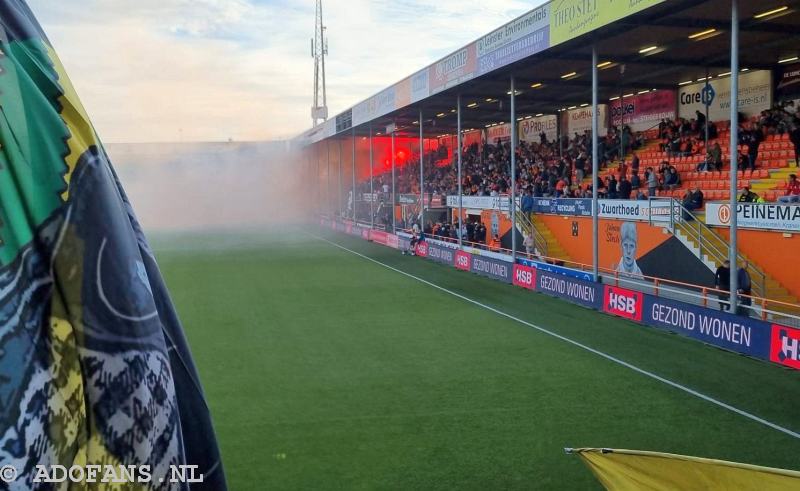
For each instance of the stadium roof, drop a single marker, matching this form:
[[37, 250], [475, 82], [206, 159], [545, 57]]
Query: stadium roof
[[663, 45]]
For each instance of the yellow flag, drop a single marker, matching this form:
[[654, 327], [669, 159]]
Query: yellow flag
[[623, 470]]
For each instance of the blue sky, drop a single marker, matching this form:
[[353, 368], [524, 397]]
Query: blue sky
[[200, 70]]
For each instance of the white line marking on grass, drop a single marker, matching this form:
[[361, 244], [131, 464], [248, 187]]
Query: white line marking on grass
[[642, 371]]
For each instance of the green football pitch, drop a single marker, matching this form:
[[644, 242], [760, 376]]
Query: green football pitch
[[325, 370]]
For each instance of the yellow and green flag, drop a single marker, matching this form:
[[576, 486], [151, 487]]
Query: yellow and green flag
[[94, 366], [629, 470]]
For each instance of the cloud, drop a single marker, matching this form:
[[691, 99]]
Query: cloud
[[200, 70]]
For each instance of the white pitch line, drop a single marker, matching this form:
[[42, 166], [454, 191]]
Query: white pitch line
[[642, 371]]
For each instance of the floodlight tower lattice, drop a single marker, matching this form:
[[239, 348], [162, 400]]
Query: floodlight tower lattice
[[319, 50]]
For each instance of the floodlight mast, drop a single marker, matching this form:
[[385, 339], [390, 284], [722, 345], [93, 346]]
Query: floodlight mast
[[319, 50]]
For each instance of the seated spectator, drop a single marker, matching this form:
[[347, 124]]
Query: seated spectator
[[748, 196], [692, 200], [792, 191], [672, 180]]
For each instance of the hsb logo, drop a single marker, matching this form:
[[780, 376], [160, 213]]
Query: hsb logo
[[422, 249], [462, 260], [785, 346], [623, 302], [524, 276]]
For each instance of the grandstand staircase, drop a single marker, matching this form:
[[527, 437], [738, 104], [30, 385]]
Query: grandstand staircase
[[710, 247], [553, 247]]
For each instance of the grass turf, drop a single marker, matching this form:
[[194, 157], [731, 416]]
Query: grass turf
[[326, 371]]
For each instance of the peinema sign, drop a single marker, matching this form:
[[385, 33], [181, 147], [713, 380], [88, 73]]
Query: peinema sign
[[755, 95], [623, 302], [643, 111], [728, 331], [524, 276], [572, 289], [572, 18], [492, 268], [463, 260], [453, 70], [529, 130], [768, 216], [580, 120], [784, 347], [522, 37]]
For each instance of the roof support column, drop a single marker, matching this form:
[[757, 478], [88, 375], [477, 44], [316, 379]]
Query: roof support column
[[595, 172], [353, 195], [394, 197], [734, 149], [513, 206], [421, 177], [460, 193], [341, 191], [371, 184]]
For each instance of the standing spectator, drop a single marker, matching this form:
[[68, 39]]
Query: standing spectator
[[652, 182], [528, 243], [635, 163], [794, 136], [624, 188], [792, 191], [744, 288], [636, 182], [722, 282], [612, 187]]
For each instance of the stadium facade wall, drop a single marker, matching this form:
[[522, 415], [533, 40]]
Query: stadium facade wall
[[739, 334]]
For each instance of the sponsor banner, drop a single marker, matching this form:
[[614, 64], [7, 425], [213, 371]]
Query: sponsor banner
[[379, 237], [731, 332], [581, 207], [580, 120], [365, 233], [402, 93], [572, 289], [463, 260], [755, 95], [453, 70], [656, 210], [525, 276], [768, 216], [421, 249], [492, 268], [480, 202], [348, 228], [623, 302], [518, 28], [499, 132], [393, 241], [785, 346], [419, 85], [408, 199], [790, 80], [514, 41], [571, 18], [558, 270], [644, 111], [441, 254], [530, 129]]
